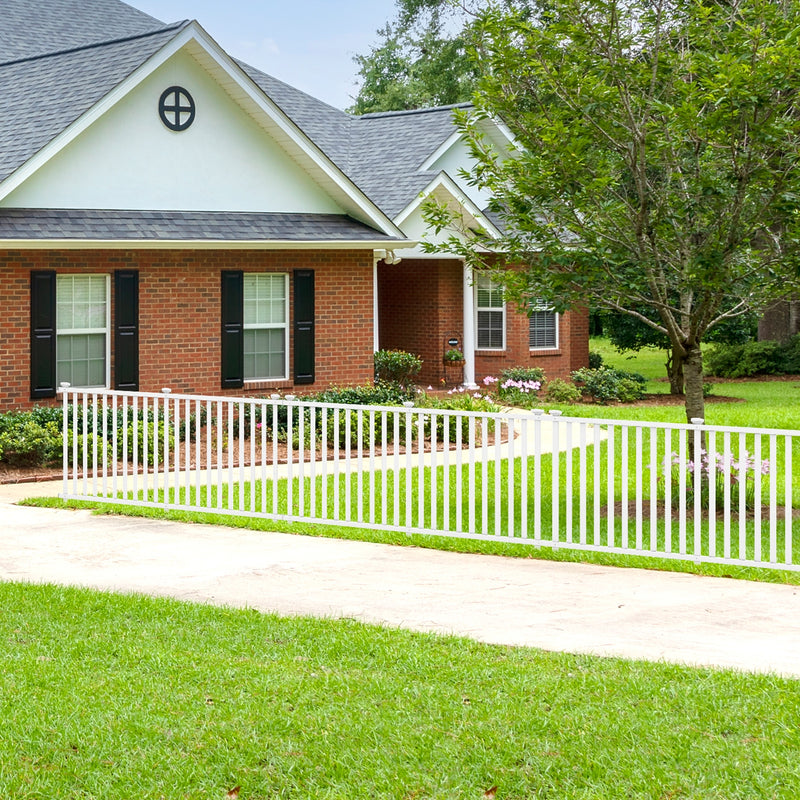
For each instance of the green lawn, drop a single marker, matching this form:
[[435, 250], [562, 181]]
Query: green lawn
[[106, 696], [768, 403]]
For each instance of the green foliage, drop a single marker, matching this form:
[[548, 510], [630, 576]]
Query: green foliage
[[396, 366], [381, 394], [606, 384], [522, 374], [559, 391], [755, 358], [658, 165], [26, 443], [595, 359], [447, 428], [453, 355]]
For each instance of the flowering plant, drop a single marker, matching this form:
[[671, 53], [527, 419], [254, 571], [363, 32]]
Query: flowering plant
[[732, 471], [520, 389]]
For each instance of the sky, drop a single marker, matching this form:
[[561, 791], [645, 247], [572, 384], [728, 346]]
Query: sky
[[309, 44]]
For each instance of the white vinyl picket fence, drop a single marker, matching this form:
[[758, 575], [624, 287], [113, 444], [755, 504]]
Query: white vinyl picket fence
[[692, 492]]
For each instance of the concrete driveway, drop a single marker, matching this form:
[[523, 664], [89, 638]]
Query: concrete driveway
[[575, 608]]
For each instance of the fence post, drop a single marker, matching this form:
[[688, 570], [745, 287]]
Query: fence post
[[698, 446], [63, 389]]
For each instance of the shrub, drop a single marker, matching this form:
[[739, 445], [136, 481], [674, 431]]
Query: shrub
[[559, 391], [595, 360], [744, 360], [26, 443], [396, 366], [382, 394], [606, 384], [535, 374], [457, 400]]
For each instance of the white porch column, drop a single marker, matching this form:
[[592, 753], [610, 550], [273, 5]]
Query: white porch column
[[469, 330], [375, 326]]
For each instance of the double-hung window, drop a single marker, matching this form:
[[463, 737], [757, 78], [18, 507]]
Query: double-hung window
[[543, 327], [490, 314], [82, 325], [266, 326]]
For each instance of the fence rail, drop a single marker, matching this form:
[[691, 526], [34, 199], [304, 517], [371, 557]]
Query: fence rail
[[692, 492]]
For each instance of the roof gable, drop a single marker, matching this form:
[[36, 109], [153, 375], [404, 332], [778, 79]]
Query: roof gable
[[106, 72], [129, 159]]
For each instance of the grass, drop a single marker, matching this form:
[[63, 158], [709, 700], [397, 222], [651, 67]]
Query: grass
[[109, 696], [763, 403]]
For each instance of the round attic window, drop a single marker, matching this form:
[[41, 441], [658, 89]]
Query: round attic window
[[176, 108]]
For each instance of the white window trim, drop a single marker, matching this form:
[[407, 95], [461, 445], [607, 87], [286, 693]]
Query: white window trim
[[83, 331], [539, 306], [488, 308], [272, 326]]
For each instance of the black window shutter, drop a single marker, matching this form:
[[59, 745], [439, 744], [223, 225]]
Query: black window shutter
[[126, 330], [232, 329], [43, 334], [304, 326]]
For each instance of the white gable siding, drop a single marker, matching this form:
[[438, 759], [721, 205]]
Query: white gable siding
[[452, 161], [128, 159]]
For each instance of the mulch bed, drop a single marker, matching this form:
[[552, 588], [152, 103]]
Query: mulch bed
[[749, 515]]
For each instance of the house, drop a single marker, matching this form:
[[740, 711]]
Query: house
[[171, 217]]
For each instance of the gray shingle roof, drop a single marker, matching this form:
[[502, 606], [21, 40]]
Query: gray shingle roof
[[380, 153], [33, 27], [41, 97], [56, 83], [95, 224], [387, 151]]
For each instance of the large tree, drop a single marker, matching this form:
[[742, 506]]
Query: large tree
[[422, 57], [658, 169]]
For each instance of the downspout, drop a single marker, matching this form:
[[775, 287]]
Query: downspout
[[469, 330]]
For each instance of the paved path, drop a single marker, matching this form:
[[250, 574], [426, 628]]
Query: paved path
[[569, 607]]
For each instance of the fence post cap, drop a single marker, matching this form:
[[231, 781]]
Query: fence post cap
[[537, 412], [408, 403], [64, 385], [166, 390], [555, 413], [290, 397], [275, 396], [697, 420]]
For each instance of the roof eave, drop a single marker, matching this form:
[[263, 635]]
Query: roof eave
[[204, 244]]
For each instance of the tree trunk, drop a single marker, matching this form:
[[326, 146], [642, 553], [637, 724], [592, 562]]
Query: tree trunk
[[693, 374], [675, 371]]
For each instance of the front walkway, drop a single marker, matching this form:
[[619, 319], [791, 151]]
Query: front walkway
[[568, 607]]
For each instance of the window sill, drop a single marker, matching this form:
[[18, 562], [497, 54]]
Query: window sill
[[545, 352], [282, 383]]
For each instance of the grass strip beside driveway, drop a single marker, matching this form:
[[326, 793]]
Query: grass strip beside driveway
[[109, 696]]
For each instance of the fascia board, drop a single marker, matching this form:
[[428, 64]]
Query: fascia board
[[451, 140], [444, 181], [202, 244]]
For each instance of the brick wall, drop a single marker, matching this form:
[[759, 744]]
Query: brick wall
[[419, 302], [420, 306], [179, 313], [572, 352]]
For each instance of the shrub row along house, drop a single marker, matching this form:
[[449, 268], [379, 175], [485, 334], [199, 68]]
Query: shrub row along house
[[171, 217]]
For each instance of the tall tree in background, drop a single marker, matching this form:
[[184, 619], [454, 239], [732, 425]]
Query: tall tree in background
[[658, 164], [422, 58]]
